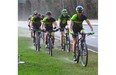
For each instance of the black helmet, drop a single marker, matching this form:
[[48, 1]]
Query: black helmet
[[35, 13], [79, 9], [64, 11], [39, 14], [48, 13]]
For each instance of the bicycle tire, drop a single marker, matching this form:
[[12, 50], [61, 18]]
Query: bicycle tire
[[77, 54], [38, 43], [84, 52], [35, 46], [64, 43], [36, 40], [43, 37], [67, 43], [31, 34], [50, 46]]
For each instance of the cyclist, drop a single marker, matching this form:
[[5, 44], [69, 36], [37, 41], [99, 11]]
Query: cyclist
[[29, 18], [47, 24], [77, 27], [35, 24], [63, 23]]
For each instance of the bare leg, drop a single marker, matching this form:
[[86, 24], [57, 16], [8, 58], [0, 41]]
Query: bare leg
[[74, 44], [53, 39], [74, 48], [46, 38]]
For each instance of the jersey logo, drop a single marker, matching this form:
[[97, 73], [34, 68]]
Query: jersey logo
[[48, 23], [64, 21]]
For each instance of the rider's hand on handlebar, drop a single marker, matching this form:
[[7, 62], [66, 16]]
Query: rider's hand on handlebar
[[28, 25], [43, 29], [31, 28], [72, 32], [54, 27], [92, 32]]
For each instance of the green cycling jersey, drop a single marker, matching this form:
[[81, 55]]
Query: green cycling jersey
[[49, 22], [64, 19], [78, 20], [36, 20]]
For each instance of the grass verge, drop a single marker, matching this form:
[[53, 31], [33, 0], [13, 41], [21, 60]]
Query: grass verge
[[40, 63]]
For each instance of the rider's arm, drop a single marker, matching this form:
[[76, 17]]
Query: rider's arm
[[88, 22], [59, 19], [70, 25], [73, 18], [55, 23], [43, 23], [43, 26], [30, 24]]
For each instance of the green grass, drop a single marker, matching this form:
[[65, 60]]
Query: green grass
[[40, 63]]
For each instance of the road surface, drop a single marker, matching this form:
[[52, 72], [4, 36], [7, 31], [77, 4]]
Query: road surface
[[92, 41]]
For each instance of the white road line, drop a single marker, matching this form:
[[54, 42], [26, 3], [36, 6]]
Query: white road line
[[88, 49]]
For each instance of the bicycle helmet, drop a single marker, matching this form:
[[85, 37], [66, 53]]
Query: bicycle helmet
[[79, 9], [39, 14], [42, 16], [35, 13], [64, 11], [48, 13]]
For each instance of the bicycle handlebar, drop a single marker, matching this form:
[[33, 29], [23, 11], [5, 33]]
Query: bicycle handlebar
[[64, 28], [88, 34], [54, 30], [85, 34]]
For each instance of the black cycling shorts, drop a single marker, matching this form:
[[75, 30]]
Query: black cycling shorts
[[62, 26], [48, 28], [36, 27], [77, 30]]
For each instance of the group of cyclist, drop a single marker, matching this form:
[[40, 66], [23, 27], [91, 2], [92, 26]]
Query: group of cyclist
[[37, 22]]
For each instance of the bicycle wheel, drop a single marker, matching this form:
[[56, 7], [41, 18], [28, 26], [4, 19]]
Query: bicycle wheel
[[67, 43], [31, 34], [50, 46], [84, 54], [43, 37], [64, 42], [37, 42]]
